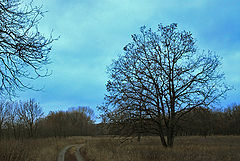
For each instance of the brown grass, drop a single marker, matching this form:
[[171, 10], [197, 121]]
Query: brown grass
[[35, 149], [190, 148]]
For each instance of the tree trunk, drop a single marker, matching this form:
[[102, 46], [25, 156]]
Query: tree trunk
[[161, 134], [0, 133], [170, 136], [14, 132], [163, 141], [170, 139], [139, 137]]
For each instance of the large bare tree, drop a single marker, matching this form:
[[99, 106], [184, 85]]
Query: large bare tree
[[24, 51], [160, 77]]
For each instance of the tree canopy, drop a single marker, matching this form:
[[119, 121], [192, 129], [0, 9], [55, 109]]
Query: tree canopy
[[24, 51], [160, 77]]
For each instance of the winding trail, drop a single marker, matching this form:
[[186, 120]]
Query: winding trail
[[77, 154]]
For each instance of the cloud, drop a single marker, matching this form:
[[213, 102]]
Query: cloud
[[231, 68], [94, 32]]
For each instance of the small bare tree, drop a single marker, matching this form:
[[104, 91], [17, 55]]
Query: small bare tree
[[13, 120], [23, 49], [30, 112], [3, 116], [164, 71]]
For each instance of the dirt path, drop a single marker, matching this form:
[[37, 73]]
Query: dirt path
[[77, 154]]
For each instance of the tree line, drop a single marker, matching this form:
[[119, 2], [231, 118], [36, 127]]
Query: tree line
[[200, 121], [25, 119], [211, 122], [73, 122]]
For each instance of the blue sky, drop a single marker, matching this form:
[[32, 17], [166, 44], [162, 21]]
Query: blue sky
[[93, 32]]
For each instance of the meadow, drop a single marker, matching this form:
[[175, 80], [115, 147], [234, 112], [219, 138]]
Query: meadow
[[187, 148], [106, 148], [46, 149]]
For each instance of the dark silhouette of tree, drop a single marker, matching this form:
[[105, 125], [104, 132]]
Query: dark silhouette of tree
[[29, 113], [3, 116], [200, 121], [164, 70], [14, 123], [23, 49], [127, 120], [232, 118], [74, 122]]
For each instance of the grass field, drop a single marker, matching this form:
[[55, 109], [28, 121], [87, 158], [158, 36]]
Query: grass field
[[35, 149], [189, 148]]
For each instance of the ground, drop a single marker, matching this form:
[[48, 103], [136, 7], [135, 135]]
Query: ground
[[106, 148], [188, 148]]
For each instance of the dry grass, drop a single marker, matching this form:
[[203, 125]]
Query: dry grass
[[35, 149], [190, 148], [194, 148]]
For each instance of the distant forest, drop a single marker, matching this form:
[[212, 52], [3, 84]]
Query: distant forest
[[21, 120]]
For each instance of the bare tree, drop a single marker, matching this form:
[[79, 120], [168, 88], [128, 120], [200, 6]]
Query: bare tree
[[164, 70], [3, 116], [23, 49], [128, 119], [9, 119], [13, 120], [30, 112], [74, 122], [82, 118]]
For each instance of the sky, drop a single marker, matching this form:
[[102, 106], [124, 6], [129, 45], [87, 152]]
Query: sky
[[94, 32]]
